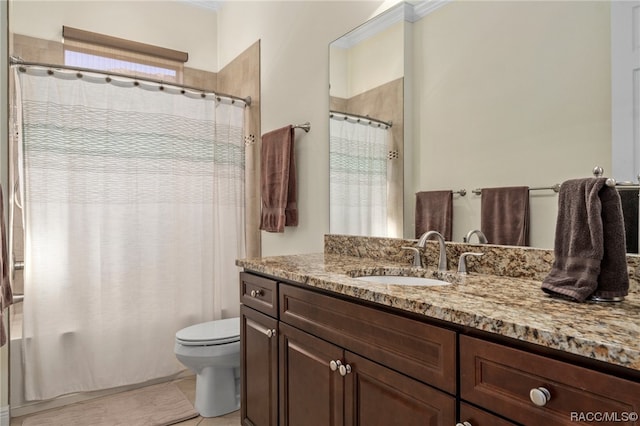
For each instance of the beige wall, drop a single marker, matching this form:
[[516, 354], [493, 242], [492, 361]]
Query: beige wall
[[377, 60], [369, 64], [531, 108], [294, 39]]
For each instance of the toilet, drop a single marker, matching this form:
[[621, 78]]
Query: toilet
[[212, 350]]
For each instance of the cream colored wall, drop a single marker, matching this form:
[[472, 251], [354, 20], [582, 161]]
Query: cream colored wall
[[338, 70], [517, 94], [369, 64], [377, 60], [294, 85], [171, 24]]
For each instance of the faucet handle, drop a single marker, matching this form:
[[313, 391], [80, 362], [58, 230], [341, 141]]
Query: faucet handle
[[462, 264], [417, 261]]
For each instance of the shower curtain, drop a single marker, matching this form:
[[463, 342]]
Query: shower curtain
[[358, 178], [134, 210]]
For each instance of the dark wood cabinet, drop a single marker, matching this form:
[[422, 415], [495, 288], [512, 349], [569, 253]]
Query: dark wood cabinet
[[309, 358], [340, 363], [259, 293], [472, 416], [507, 381], [258, 351], [419, 350], [378, 396], [311, 393]]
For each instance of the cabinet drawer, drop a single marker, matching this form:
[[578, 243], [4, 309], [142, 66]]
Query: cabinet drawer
[[259, 293], [419, 350], [472, 416], [500, 379]]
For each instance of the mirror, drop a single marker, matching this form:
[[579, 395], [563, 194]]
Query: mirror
[[367, 127], [503, 94]]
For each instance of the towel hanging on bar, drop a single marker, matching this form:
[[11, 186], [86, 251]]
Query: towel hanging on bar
[[434, 212], [504, 215], [278, 180]]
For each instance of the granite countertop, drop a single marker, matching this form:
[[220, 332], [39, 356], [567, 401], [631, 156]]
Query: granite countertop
[[512, 307]]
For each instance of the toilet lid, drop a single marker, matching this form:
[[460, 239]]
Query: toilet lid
[[216, 332]]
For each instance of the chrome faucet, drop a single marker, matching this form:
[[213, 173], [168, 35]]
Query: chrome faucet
[[442, 262], [417, 260], [482, 239], [462, 264]]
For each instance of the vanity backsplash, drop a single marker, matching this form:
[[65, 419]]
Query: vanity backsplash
[[509, 261]]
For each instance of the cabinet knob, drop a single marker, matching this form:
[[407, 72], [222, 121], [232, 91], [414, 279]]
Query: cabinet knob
[[334, 365], [344, 369], [464, 424], [540, 396], [271, 333], [256, 293]]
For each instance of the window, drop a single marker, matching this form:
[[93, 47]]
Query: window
[[85, 49]]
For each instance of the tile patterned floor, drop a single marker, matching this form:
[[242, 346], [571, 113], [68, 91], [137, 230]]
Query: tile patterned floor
[[188, 387]]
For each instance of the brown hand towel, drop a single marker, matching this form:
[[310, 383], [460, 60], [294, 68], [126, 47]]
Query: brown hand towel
[[589, 244], [630, 213], [504, 215], [434, 212], [278, 180], [6, 297]]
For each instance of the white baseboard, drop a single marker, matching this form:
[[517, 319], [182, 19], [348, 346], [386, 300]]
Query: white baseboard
[[4, 416]]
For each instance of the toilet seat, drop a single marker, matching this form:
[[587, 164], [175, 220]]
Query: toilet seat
[[219, 332]]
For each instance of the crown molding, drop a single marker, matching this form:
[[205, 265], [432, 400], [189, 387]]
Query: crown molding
[[410, 11]]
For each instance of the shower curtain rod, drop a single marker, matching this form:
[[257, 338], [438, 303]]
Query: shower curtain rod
[[360, 118], [18, 62]]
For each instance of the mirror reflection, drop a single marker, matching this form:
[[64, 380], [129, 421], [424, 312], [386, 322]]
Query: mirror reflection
[[367, 128], [494, 94]]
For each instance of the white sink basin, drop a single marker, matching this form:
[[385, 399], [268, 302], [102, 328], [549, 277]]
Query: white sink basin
[[402, 280]]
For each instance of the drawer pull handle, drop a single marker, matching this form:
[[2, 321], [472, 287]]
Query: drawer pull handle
[[464, 424], [334, 365], [271, 333], [540, 396], [344, 369], [256, 293]]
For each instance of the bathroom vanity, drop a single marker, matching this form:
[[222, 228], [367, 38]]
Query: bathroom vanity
[[320, 347]]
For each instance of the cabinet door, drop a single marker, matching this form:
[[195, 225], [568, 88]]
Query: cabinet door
[[376, 395], [311, 393], [259, 364], [472, 416]]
